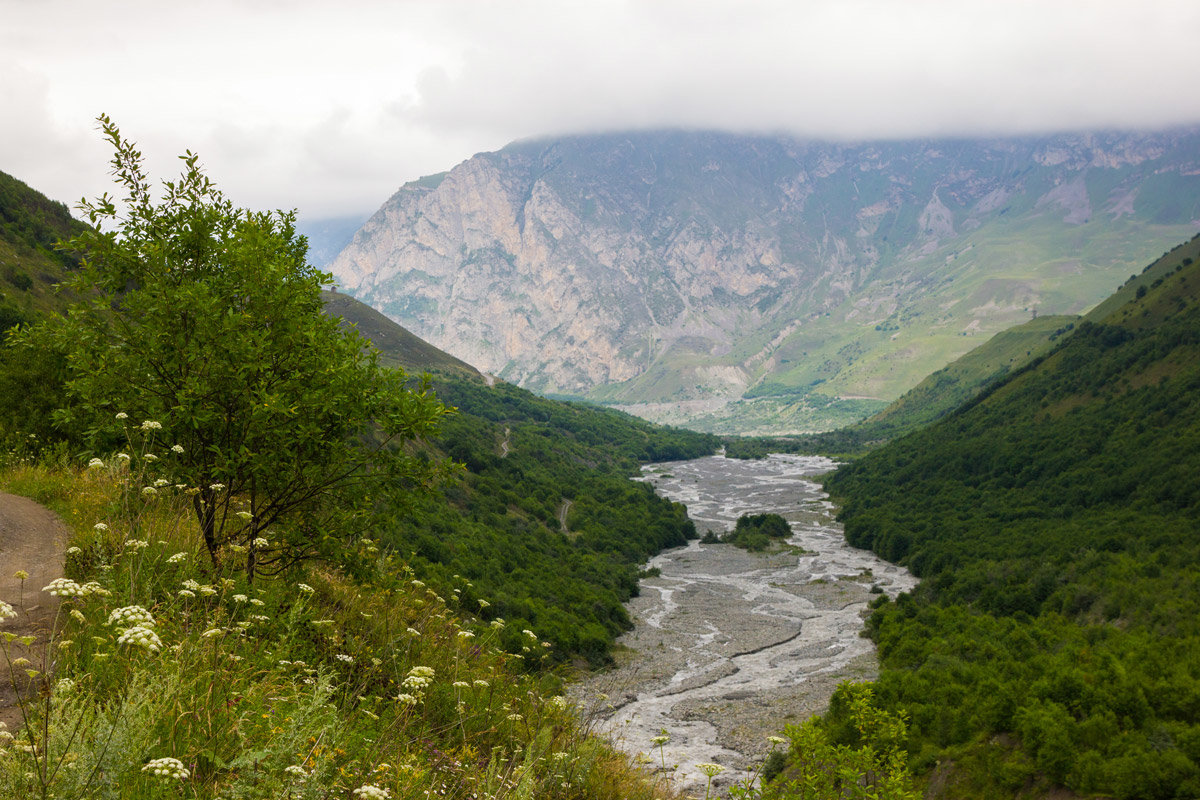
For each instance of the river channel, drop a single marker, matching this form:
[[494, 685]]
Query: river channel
[[730, 646]]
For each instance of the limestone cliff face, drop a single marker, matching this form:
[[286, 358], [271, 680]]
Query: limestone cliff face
[[683, 265]]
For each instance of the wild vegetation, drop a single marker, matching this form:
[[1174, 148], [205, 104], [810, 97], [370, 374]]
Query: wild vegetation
[[265, 597], [754, 532], [544, 521], [1053, 639], [274, 620], [172, 677]]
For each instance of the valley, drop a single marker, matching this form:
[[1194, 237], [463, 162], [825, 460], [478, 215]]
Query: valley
[[728, 645]]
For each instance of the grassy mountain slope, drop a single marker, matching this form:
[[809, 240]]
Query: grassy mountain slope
[[930, 400], [397, 346], [30, 224], [1053, 639], [958, 382]]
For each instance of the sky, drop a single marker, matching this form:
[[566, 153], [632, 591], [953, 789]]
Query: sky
[[328, 107]]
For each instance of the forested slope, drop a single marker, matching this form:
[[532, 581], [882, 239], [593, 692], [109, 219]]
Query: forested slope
[[532, 464], [542, 520], [1055, 637]]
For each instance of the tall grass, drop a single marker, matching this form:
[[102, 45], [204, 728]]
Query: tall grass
[[167, 677]]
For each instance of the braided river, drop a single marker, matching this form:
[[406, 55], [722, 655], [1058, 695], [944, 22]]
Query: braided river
[[729, 646]]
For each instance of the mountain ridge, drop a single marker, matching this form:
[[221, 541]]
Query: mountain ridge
[[694, 266]]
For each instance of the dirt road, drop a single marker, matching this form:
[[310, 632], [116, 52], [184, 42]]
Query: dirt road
[[32, 539]]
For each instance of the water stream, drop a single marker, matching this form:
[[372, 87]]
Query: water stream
[[730, 646]]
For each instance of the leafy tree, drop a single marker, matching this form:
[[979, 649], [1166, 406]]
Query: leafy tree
[[858, 752], [207, 320]]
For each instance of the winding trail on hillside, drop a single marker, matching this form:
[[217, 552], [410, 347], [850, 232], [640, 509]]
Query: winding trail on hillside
[[32, 539], [563, 510]]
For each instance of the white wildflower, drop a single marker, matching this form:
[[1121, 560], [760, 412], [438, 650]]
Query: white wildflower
[[178, 558], [151, 425], [141, 636], [63, 587], [369, 791], [304, 587], [171, 768], [131, 616], [122, 415], [95, 463], [176, 448]]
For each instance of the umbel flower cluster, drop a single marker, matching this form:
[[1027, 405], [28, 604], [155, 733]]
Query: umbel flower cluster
[[167, 768], [136, 626]]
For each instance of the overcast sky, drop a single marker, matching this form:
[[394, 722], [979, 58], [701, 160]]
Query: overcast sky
[[329, 107]]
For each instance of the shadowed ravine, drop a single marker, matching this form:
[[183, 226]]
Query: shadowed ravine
[[730, 646]]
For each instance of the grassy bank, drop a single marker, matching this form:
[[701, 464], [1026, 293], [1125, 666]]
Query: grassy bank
[[169, 677]]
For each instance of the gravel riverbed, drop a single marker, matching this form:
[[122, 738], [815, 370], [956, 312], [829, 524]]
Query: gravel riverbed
[[730, 646]]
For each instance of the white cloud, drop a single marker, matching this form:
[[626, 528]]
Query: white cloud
[[330, 107]]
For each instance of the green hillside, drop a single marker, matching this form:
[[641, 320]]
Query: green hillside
[[928, 401], [543, 521], [262, 594], [1054, 639], [544, 490], [30, 224], [397, 346], [958, 382]]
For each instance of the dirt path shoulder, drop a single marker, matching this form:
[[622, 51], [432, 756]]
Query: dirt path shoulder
[[32, 539]]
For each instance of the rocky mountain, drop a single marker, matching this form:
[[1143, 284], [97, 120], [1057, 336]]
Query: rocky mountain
[[762, 283]]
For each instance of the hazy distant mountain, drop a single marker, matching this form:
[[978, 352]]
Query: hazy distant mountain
[[327, 237], [673, 271]]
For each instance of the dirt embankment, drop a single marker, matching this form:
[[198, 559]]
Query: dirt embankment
[[32, 539]]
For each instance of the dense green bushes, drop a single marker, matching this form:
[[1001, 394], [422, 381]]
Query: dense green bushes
[[1053, 522], [532, 465]]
